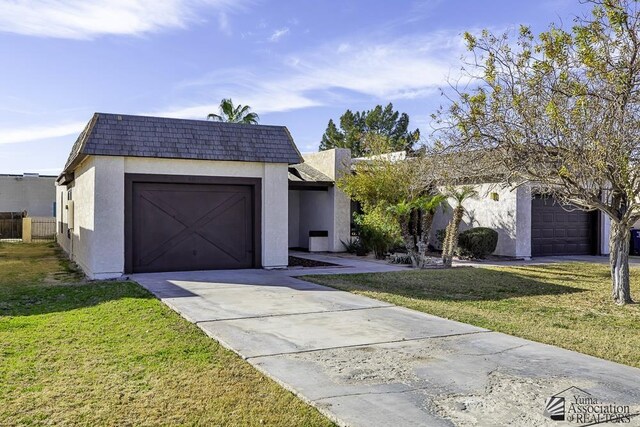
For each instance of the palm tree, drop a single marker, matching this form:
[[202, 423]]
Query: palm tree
[[428, 205], [402, 211], [451, 234], [234, 114]]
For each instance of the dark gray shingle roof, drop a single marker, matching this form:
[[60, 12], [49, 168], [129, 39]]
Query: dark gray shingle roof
[[140, 136], [305, 173]]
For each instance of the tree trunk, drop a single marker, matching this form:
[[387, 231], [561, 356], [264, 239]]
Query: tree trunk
[[451, 236], [619, 259], [427, 223], [409, 242]]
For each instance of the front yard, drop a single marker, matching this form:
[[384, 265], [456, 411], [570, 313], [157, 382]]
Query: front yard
[[568, 305], [108, 353]]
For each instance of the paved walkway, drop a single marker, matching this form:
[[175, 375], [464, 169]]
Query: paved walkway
[[363, 362]]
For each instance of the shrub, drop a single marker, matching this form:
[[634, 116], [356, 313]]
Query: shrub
[[351, 245], [377, 231], [477, 242], [355, 246]]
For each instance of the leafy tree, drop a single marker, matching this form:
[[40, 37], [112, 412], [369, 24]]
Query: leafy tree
[[459, 195], [354, 127], [377, 231], [400, 191], [561, 111], [234, 114]]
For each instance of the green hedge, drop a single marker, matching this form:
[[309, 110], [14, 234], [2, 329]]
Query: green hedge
[[477, 242]]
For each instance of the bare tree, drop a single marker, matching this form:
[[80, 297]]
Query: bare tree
[[561, 110]]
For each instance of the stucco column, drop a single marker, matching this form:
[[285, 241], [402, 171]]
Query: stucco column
[[523, 221], [335, 163], [275, 216]]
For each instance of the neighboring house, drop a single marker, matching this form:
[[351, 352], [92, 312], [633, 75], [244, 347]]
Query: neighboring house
[[31, 193], [145, 194], [530, 224]]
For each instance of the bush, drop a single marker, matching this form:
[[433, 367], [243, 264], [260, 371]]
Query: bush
[[477, 242], [355, 246], [377, 231]]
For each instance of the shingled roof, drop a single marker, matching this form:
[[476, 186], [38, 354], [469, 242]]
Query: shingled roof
[[160, 137]]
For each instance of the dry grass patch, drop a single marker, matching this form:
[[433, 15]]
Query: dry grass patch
[[568, 305], [108, 353]]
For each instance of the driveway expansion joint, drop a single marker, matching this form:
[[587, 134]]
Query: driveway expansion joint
[[286, 353], [263, 316], [493, 353], [371, 393]]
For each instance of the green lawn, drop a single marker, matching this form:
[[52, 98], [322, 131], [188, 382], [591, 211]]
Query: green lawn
[[107, 353], [567, 305]]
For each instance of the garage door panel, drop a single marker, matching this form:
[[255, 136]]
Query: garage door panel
[[191, 226], [559, 231], [194, 253]]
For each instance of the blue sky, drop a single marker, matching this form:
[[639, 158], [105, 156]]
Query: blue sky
[[297, 63]]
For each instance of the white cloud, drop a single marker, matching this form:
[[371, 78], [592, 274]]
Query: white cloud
[[223, 23], [9, 136], [82, 19], [405, 68], [410, 68], [278, 34]]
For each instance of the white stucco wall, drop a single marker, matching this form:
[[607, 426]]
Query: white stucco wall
[[98, 193], [34, 194], [275, 216], [80, 243], [510, 216], [605, 227], [330, 210], [523, 222], [316, 213]]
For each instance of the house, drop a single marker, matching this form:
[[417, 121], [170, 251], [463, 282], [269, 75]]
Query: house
[[30, 193], [530, 224], [147, 194]]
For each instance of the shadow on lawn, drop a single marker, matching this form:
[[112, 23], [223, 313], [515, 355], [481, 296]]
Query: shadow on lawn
[[457, 284], [57, 298]]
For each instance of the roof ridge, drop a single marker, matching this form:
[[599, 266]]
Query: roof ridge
[[145, 116]]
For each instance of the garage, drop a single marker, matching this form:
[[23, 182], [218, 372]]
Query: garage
[[191, 223], [143, 194], [559, 230]]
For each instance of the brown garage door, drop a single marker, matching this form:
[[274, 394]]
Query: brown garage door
[[190, 226], [558, 231]]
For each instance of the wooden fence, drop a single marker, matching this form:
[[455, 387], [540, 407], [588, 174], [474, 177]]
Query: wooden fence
[[38, 229], [10, 228]]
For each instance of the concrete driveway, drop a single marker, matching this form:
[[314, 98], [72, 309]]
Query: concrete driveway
[[363, 362]]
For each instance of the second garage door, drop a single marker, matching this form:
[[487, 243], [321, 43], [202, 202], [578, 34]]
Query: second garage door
[[177, 227], [556, 230]]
